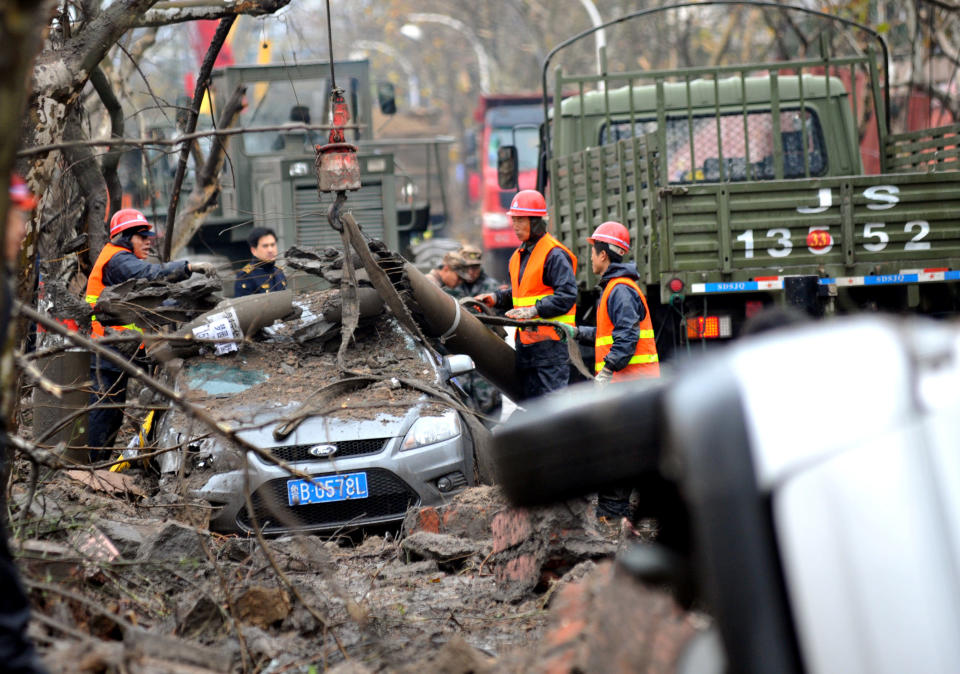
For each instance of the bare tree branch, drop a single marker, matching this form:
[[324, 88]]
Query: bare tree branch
[[84, 167], [111, 159], [207, 189], [170, 142], [60, 73], [166, 13], [203, 81]]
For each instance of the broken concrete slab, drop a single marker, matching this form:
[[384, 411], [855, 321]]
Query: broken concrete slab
[[105, 481], [174, 543], [199, 618], [399, 570], [441, 547], [139, 643]]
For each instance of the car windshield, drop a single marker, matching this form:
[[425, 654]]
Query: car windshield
[[222, 378], [290, 361], [283, 102]]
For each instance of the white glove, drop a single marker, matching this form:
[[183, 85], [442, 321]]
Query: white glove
[[207, 268], [522, 313], [603, 377]]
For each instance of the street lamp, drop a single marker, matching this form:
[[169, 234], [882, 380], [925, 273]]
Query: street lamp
[[413, 83], [414, 32], [601, 35]]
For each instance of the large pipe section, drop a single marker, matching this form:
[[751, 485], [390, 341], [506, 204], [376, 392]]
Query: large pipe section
[[252, 313], [463, 333]]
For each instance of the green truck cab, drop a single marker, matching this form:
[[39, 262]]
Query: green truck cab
[[743, 187]]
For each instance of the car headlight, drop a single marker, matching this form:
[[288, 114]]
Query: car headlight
[[428, 430]]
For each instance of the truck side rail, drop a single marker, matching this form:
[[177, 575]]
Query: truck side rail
[[611, 182], [936, 149], [741, 237]]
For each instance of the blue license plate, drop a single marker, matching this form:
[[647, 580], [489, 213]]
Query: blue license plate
[[327, 489]]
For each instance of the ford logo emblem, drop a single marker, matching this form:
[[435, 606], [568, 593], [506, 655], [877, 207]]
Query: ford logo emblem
[[322, 451]]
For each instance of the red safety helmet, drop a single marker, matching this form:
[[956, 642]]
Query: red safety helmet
[[528, 203], [128, 218], [20, 195], [612, 233]]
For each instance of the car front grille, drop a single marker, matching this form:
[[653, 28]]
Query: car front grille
[[390, 498], [345, 448]]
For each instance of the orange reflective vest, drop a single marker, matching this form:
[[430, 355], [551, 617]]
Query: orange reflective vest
[[645, 362], [95, 287], [530, 288]]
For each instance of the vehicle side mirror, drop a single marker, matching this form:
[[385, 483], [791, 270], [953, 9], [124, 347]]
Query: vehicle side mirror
[[387, 97], [507, 167], [458, 364]]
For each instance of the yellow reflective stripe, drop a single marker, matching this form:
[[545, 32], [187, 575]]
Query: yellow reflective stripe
[[636, 360], [92, 299], [603, 341], [529, 300]]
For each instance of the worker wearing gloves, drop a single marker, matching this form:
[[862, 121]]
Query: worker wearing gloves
[[624, 345], [122, 259], [542, 285]]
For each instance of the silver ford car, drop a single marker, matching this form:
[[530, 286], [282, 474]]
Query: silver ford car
[[391, 433]]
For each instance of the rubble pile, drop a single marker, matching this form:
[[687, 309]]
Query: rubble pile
[[125, 578]]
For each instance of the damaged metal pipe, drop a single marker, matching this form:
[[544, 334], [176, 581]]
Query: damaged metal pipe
[[461, 332], [252, 313]]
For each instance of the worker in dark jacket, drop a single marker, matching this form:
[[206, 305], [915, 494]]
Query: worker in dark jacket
[[261, 275], [122, 259], [17, 654], [624, 344], [542, 285]]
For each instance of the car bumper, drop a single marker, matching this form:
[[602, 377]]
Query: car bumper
[[397, 480]]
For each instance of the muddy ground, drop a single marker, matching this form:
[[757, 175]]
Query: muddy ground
[[124, 579]]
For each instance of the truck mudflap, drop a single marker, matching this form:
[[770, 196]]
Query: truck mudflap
[[904, 277]]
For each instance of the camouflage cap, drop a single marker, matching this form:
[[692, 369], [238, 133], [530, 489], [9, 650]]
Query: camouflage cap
[[454, 260], [471, 255]]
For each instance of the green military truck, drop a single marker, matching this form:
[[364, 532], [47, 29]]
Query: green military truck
[[269, 178], [743, 186]]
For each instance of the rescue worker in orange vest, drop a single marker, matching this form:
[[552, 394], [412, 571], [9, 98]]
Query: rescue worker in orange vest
[[121, 260], [624, 345], [543, 284]]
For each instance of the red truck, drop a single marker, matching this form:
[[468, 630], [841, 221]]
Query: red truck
[[503, 119]]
